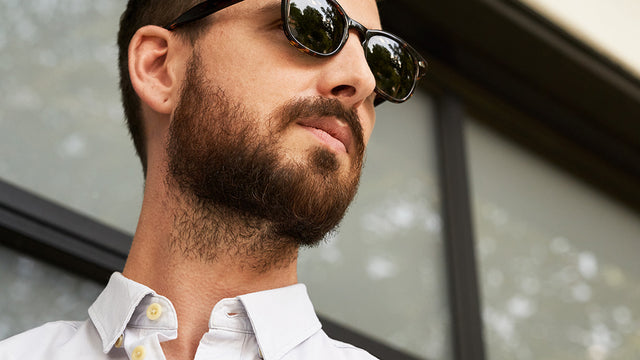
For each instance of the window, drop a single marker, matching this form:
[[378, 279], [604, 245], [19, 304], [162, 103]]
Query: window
[[34, 293], [62, 133], [557, 259]]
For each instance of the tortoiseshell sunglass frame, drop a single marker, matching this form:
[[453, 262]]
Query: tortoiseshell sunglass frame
[[209, 7]]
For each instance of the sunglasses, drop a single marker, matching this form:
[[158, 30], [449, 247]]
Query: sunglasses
[[321, 28]]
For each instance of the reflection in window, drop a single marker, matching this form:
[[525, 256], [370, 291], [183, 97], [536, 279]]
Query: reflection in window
[[62, 133], [34, 293], [558, 261]]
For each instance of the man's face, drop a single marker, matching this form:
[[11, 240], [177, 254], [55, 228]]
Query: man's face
[[246, 53], [269, 132]]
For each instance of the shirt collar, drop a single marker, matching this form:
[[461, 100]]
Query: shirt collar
[[119, 302], [281, 319]]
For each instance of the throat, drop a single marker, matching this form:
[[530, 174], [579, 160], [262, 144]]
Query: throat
[[213, 234]]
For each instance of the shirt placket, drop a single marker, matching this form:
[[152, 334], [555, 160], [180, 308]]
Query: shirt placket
[[153, 322]]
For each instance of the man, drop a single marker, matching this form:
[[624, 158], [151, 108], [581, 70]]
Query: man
[[251, 149]]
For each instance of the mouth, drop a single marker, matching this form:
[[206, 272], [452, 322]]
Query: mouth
[[330, 131]]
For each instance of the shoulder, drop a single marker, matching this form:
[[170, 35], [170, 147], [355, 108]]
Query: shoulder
[[48, 336], [350, 351], [321, 346]]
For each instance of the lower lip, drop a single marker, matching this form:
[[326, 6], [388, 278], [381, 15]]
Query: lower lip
[[327, 139]]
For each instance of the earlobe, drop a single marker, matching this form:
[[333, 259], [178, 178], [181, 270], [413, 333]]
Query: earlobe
[[151, 73]]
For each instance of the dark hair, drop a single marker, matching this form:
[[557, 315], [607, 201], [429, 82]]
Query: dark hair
[[140, 13]]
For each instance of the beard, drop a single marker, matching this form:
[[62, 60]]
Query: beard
[[237, 192]]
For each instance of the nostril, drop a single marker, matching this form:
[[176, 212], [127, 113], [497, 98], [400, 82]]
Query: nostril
[[343, 90]]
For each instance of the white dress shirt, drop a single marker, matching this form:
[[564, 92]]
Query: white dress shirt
[[129, 321]]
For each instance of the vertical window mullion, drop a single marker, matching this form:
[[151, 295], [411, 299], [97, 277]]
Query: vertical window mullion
[[458, 231]]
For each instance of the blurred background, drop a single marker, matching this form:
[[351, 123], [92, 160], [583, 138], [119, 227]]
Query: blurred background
[[498, 215]]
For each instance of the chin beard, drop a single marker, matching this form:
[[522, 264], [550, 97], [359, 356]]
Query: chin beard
[[235, 190]]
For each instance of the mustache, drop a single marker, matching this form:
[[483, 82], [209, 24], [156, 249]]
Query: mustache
[[323, 107]]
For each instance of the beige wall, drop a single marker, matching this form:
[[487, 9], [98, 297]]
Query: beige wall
[[610, 27]]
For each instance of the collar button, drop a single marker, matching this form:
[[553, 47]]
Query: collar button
[[119, 341], [138, 353], [154, 311]]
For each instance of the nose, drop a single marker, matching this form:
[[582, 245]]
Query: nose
[[346, 75]]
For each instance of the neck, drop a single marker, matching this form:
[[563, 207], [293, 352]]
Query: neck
[[196, 255]]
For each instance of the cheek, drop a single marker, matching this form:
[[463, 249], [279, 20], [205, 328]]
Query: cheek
[[282, 76], [368, 121], [263, 82]]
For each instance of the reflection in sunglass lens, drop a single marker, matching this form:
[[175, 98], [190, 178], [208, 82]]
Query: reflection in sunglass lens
[[316, 24], [392, 66]]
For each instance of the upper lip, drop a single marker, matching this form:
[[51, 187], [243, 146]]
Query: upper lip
[[332, 126]]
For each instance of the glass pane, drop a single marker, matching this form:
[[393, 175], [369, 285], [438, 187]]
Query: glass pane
[[34, 293], [383, 273], [558, 263], [62, 133], [610, 27]]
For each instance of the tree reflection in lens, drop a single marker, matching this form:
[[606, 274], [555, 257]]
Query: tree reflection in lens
[[319, 28], [392, 66]]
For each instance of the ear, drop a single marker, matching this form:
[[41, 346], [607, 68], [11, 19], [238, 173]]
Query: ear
[[152, 67]]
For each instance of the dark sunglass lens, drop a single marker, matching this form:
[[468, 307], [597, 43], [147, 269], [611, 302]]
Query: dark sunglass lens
[[392, 65], [316, 24]]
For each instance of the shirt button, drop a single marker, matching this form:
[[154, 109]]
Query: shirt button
[[138, 353], [120, 341], [154, 311]]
